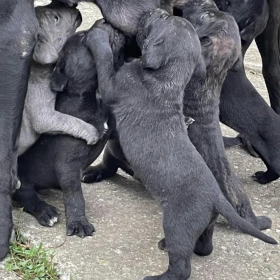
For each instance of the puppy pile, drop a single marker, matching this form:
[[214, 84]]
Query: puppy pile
[[145, 85]]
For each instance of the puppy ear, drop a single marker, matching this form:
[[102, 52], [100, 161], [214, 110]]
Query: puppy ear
[[248, 32], [153, 56], [59, 80], [206, 45]]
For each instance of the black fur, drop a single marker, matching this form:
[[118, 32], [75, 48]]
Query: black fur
[[146, 98], [59, 160], [17, 39], [242, 108]]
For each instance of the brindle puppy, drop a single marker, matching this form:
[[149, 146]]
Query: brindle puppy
[[146, 99]]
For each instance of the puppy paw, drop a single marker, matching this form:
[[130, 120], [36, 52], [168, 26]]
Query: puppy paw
[[261, 177], [92, 174], [47, 215], [90, 134], [80, 228]]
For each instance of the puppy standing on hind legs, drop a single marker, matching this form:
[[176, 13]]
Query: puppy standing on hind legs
[[146, 99]]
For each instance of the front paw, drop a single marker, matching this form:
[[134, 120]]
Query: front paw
[[80, 228], [90, 134], [47, 215]]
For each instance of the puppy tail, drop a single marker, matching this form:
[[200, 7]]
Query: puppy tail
[[226, 210]]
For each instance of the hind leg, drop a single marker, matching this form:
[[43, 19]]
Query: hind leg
[[26, 196], [204, 244], [180, 239], [70, 182]]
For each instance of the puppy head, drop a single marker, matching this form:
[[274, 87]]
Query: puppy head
[[75, 71], [163, 38], [219, 38], [250, 15], [57, 22], [116, 39]]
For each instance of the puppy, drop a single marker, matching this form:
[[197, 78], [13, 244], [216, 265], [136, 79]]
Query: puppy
[[221, 48], [214, 155], [58, 160], [146, 99], [57, 23]]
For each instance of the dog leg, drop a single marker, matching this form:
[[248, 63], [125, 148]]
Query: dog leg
[[26, 196], [180, 238], [99, 45], [242, 141], [204, 244], [269, 46], [70, 183], [54, 122]]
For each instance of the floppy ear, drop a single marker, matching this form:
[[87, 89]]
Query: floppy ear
[[59, 80], [247, 34], [153, 55], [206, 52]]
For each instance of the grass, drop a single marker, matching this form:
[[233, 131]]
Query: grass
[[30, 262]]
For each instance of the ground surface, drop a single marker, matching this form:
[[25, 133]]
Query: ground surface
[[128, 223]]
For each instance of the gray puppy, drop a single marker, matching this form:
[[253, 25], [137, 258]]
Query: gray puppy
[[146, 99], [57, 23]]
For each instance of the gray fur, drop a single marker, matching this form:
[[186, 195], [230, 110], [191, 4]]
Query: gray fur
[[57, 23], [146, 99]]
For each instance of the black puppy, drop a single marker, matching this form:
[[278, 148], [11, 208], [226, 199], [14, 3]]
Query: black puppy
[[146, 99], [59, 160], [240, 101]]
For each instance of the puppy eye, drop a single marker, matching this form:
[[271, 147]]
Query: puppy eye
[[227, 3], [205, 41], [56, 18]]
